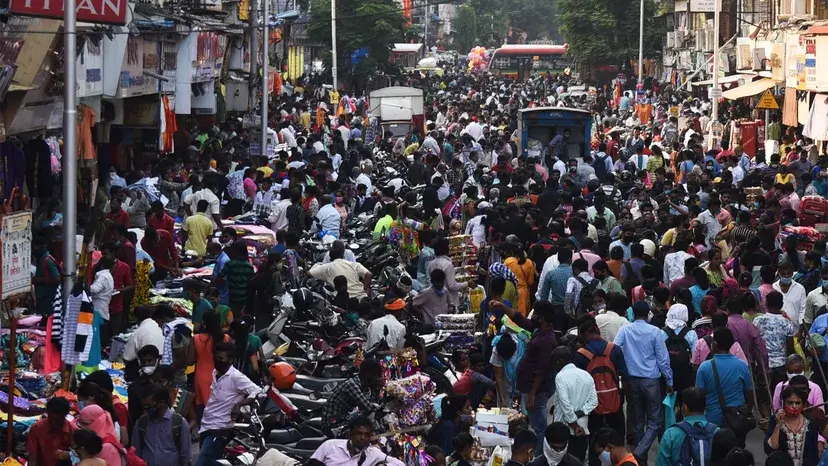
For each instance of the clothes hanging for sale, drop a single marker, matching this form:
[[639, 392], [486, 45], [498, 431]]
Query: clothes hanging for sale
[[56, 334], [13, 165], [38, 158], [803, 113], [77, 328], [817, 126], [86, 149], [790, 109]]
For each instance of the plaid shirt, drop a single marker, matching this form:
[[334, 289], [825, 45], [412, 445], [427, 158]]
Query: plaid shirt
[[345, 397], [454, 178], [573, 292]]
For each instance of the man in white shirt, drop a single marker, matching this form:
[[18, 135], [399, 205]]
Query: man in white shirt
[[361, 178], [575, 397], [355, 451], [359, 278], [475, 130], [278, 211], [328, 219], [203, 192], [287, 136], [709, 220], [102, 287], [794, 296], [148, 333], [611, 321], [737, 171], [395, 335]]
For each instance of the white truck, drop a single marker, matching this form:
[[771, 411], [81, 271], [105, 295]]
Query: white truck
[[399, 109]]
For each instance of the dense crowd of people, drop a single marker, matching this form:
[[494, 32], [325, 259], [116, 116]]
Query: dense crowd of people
[[657, 289]]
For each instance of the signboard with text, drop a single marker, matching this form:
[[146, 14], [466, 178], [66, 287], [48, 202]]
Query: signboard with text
[[90, 11], [702, 6], [16, 240]]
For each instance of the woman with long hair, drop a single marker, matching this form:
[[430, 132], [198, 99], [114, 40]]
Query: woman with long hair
[[700, 289], [91, 394], [524, 270], [248, 348], [455, 412], [201, 353], [792, 432], [499, 270]]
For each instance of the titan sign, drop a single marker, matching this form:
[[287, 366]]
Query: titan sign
[[90, 11]]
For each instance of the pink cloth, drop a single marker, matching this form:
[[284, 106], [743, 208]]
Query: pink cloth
[[94, 418], [249, 188], [814, 398], [701, 350]]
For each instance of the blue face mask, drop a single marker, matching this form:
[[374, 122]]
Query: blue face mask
[[81, 405], [785, 280], [440, 292], [605, 457], [73, 457]]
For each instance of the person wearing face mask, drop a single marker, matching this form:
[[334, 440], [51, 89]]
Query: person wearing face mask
[[99, 421], [575, 398], [356, 449], [611, 449], [556, 442], [523, 448], [795, 373], [794, 295], [162, 437], [672, 445], [49, 438], [816, 299], [86, 448], [149, 333], [230, 391], [792, 432], [455, 417], [148, 359], [778, 333]]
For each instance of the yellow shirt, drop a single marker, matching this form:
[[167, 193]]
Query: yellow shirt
[[669, 238], [334, 97], [198, 228], [410, 149], [267, 171], [785, 179], [304, 120]]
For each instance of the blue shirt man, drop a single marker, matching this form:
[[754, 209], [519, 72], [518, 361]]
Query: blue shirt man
[[735, 382], [553, 288], [224, 291], [672, 442]]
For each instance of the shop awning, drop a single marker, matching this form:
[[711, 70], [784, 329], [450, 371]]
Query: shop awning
[[724, 79], [750, 89]]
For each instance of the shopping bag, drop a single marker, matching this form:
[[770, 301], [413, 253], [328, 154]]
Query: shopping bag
[[669, 410]]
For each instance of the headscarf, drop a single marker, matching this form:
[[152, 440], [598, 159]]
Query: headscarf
[[94, 417], [729, 287], [677, 316], [499, 269], [554, 458]]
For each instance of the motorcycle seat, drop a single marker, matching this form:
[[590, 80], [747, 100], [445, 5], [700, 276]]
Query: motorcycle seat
[[309, 443], [295, 362], [283, 436], [293, 452], [318, 384], [304, 402]]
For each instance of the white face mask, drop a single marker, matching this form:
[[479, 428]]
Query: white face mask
[[148, 370], [553, 457], [793, 374]]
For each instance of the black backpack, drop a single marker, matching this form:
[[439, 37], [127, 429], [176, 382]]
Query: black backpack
[[633, 279], [600, 167], [585, 298], [680, 356]]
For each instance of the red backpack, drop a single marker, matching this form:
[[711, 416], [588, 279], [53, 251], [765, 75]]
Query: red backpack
[[128, 456], [603, 372]]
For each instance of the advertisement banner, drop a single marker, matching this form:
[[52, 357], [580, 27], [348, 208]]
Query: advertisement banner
[[150, 62], [810, 64], [822, 63], [89, 11], [90, 71], [16, 238], [777, 61], [791, 69], [744, 53], [132, 79], [702, 6]]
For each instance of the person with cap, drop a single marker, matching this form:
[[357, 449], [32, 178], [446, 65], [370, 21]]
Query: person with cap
[[388, 328], [649, 257], [475, 227], [647, 360]]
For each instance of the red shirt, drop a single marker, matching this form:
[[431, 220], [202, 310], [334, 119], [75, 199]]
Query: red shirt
[[126, 254], [464, 384], [163, 252], [44, 441], [122, 276], [164, 223], [119, 217]]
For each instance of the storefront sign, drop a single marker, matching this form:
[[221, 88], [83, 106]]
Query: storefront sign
[[169, 50], [90, 11], [810, 64], [90, 70], [702, 6], [681, 6], [132, 71], [142, 111], [16, 239], [821, 65], [150, 62], [791, 52]]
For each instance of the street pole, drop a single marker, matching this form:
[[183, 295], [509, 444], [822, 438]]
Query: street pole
[[715, 127], [265, 70], [425, 36], [70, 147], [641, 44], [253, 23], [333, 44]]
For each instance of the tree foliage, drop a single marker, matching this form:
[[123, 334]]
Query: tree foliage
[[485, 23], [606, 31], [372, 24]]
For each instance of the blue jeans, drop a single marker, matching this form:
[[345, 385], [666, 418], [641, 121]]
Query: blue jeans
[[647, 412], [212, 445], [537, 417]]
